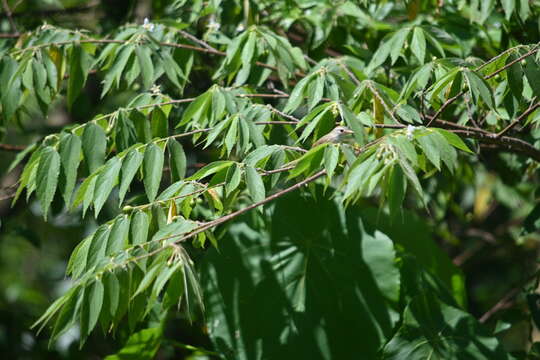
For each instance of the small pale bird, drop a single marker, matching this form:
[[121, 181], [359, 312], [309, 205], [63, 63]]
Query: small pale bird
[[337, 135]]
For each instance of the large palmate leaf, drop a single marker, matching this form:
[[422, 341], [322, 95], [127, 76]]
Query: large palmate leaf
[[434, 330]]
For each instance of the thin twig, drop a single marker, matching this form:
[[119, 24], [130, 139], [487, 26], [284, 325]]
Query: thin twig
[[493, 59], [275, 171], [188, 133], [384, 104], [276, 122], [504, 301], [282, 114], [9, 36], [275, 96], [294, 148], [7, 197], [12, 148], [451, 125], [280, 92], [197, 41], [527, 54], [510, 143], [205, 188], [230, 216], [526, 113], [489, 76], [9, 16], [350, 73]]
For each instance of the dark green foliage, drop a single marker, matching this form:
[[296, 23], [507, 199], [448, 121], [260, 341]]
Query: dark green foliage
[[177, 127]]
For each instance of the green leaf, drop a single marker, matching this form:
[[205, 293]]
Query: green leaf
[[145, 62], [116, 71], [408, 113], [411, 175], [331, 157], [69, 312], [173, 231], [379, 255], [297, 95], [153, 167], [177, 160], [95, 302], [11, 90], [20, 157], [418, 81], [98, 246], [443, 82], [318, 90], [380, 56], [70, 156], [398, 42], [142, 345], [159, 123], [105, 182], [85, 193], [78, 258], [418, 44], [196, 109], [397, 188], [79, 64], [405, 147], [260, 154], [149, 277], [139, 228], [131, 164], [248, 52], [52, 310], [233, 179], [310, 161], [112, 289], [211, 168], [532, 72], [432, 329], [313, 124], [515, 76], [173, 71], [359, 174], [47, 177], [163, 277], [454, 140], [355, 123], [94, 144], [431, 149], [479, 88], [119, 235], [255, 184], [231, 139], [524, 9]]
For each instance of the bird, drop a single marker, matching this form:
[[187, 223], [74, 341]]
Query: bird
[[337, 135]]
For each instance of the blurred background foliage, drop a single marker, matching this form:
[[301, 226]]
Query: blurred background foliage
[[471, 235]]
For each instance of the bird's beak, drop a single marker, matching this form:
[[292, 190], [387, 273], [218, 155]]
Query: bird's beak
[[347, 131]]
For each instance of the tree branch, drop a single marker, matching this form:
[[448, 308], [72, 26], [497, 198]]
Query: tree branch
[[9, 36], [489, 76], [504, 301], [526, 113], [221, 220], [197, 41], [12, 148], [9, 16], [510, 143]]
